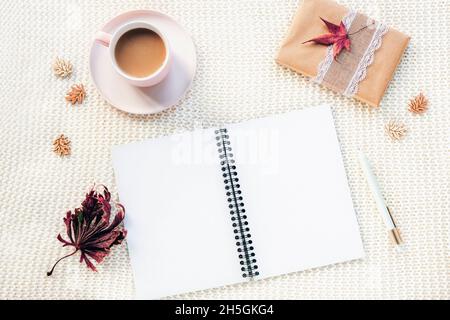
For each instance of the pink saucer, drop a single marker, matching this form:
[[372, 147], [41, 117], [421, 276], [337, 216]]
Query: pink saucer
[[154, 99]]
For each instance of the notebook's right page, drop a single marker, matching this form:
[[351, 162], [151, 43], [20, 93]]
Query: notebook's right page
[[295, 192]]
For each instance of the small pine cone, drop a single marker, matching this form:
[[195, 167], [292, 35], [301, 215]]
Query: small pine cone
[[62, 68], [61, 146], [395, 130], [419, 104], [76, 94]]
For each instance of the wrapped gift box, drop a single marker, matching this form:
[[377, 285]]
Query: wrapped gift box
[[364, 71]]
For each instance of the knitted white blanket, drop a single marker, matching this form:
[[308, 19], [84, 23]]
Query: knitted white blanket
[[237, 79]]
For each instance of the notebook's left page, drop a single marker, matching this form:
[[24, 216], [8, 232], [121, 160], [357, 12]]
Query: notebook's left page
[[179, 232]]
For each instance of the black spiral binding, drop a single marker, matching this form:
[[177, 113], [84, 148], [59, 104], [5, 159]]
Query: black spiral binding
[[235, 203]]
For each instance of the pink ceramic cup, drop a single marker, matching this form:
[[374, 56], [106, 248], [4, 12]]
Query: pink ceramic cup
[[110, 41]]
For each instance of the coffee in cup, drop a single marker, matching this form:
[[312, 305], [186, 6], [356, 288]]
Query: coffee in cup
[[139, 53]]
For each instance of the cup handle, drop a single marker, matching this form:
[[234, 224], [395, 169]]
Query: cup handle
[[103, 37]]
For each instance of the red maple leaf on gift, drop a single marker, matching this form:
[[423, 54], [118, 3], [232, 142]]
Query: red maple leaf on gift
[[89, 229], [338, 37]]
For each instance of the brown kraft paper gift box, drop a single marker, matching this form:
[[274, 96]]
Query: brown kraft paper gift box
[[363, 72]]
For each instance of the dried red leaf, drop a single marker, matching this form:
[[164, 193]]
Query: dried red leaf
[[89, 229], [338, 37]]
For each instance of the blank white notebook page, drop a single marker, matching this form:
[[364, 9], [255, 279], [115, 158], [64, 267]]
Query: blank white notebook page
[[295, 191], [288, 185], [179, 233]]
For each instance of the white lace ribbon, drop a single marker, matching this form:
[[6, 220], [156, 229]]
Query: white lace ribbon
[[366, 60]]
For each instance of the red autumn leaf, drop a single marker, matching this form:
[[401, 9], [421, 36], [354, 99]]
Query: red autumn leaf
[[89, 229], [338, 37]]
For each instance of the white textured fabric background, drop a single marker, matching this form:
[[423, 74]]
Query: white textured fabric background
[[237, 79]]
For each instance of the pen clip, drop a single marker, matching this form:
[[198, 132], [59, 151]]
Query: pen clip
[[392, 218]]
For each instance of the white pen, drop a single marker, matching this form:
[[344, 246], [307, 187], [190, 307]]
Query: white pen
[[378, 197]]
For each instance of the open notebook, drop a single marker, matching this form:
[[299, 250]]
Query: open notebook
[[242, 202]]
